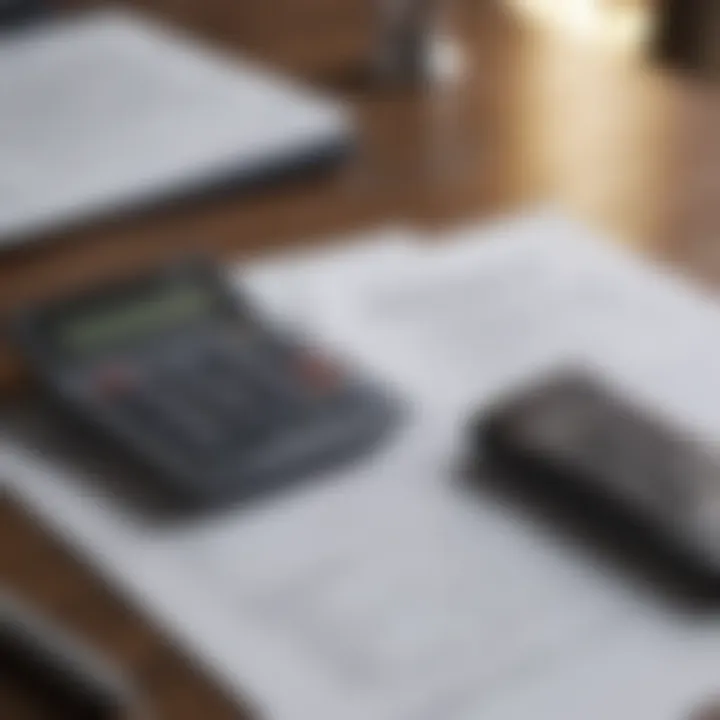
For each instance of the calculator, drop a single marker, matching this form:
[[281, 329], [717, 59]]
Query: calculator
[[182, 375]]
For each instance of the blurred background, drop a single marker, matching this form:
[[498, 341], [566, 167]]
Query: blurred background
[[426, 113], [575, 99]]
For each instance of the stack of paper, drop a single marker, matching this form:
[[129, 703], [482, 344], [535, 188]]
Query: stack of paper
[[391, 592]]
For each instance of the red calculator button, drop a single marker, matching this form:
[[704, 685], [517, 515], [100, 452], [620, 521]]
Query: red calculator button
[[115, 380], [318, 372]]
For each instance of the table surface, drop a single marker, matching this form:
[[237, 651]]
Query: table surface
[[537, 114]]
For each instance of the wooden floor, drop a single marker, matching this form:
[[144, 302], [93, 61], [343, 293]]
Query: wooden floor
[[536, 116]]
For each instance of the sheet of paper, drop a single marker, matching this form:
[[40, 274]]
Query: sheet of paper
[[108, 109], [389, 591], [495, 306]]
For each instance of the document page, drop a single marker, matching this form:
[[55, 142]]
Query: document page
[[108, 109], [390, 589]]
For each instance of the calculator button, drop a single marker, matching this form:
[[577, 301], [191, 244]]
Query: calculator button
[[114, 380], [318, 373], [162, 416]]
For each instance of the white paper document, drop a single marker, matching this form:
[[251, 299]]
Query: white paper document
[[108, 110], [389, 590]]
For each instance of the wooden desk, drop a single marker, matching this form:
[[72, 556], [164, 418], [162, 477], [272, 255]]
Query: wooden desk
[[625, 147]]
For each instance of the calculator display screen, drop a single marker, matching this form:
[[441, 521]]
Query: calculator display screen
[[126, 320]]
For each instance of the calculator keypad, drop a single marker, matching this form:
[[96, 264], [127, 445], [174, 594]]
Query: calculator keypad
[[211, 405], [190, 383]]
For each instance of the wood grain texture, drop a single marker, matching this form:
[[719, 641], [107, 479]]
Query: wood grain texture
[[37, 569], [537, 116]]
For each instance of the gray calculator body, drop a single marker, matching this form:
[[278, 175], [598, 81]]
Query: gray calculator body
[[182, 376]]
